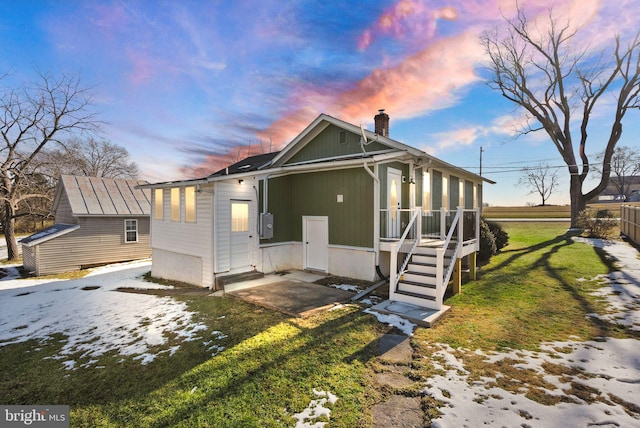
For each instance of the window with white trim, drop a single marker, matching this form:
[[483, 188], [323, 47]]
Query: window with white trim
[[130, 231], [175, 204], [159, 203], [190, 204]]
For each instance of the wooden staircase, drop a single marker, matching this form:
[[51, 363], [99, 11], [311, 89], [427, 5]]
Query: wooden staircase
[[418, 283]]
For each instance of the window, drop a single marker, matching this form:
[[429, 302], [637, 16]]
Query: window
[[175, 204], [190, 204], [159, 195], [239, 216], [131, 231]]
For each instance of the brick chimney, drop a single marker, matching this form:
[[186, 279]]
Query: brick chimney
[[382, 123]]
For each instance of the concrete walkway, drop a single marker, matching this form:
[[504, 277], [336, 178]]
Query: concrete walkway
[[293, 294]]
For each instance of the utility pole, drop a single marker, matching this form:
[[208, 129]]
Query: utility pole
[[481, 150]]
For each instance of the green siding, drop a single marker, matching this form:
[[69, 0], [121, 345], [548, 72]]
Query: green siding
[[315, 194], [454, 192], [418, 185], [436, 190], [329, 143], [468, 194]]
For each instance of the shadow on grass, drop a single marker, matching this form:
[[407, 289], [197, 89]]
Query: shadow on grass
[[264, 379], [32, 372], [547, 250]]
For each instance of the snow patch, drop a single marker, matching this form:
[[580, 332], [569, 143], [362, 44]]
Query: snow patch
[[315, 410], [393, 320], [99, 321]]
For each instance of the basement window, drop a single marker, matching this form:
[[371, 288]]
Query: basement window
[[130, 231]]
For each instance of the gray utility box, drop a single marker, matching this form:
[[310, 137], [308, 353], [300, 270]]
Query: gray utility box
[[266, 225]]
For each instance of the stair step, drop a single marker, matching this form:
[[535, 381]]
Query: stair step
[[417, 284], [416, 295]]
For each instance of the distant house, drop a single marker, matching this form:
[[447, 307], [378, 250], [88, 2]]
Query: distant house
[[612, 194], [338, 199], [97, 221]]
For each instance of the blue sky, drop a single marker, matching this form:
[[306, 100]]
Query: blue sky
[[187, 85]]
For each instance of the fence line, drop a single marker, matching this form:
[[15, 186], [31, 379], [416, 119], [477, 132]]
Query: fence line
[[630, 222]]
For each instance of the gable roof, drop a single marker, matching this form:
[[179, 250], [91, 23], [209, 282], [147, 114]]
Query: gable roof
[[322, 122], [251, 163], [89, 196]]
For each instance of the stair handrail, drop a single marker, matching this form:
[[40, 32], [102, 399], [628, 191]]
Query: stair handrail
[[442, 278], [394, 254]]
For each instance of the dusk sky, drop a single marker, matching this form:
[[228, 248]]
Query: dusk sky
[[184, 84]]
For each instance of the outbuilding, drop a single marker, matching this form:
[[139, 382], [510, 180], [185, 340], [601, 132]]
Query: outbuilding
[[97, 221]]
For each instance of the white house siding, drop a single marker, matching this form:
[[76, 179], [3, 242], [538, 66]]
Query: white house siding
[[177, 267], [99, 240], [224, 194], [280, 257], [352, 262], [183, 251]]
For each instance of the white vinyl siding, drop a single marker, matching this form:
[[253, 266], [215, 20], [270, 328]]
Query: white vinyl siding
[[130, 231], [191, 239], [158, 195]]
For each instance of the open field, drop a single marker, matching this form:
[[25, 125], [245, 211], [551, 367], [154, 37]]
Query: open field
[[549, 211], [252, 367]]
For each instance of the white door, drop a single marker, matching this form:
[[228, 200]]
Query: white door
[[315, 237], [394, 198], [240, 235]]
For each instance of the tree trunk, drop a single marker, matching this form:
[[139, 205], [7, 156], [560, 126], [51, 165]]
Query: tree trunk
[[9, 224], [578, 201]]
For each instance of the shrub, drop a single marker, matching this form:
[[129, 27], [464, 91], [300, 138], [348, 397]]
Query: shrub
[[597, 223], [502, 237], [487, 243]]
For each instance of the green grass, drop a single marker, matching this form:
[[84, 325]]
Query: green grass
[[530, 293]]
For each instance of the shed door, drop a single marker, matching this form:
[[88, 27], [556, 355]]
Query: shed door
[[315, 236], [394, 199], [240, 235]]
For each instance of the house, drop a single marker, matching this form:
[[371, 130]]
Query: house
[[337, 199], [97, 221], [630, 184]]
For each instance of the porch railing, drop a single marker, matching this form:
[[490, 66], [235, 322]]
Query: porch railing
[[463, 224]]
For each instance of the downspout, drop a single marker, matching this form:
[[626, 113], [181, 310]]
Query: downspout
[[376, 207]]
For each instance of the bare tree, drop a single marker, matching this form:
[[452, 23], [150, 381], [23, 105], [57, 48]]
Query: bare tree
[[552, 80], [540, 179], [625, 165], [90, 157], [39, 114]]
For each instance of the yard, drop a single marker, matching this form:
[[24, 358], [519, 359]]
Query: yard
[[548, 333]]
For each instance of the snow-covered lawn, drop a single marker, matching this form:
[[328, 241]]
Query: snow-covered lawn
[[593, 383], [94, 317]]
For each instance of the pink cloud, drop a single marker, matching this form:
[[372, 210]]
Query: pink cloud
[[428, 80], [408, 20]]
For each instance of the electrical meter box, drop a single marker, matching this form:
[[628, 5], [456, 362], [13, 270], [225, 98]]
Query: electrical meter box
[[266, 225]]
